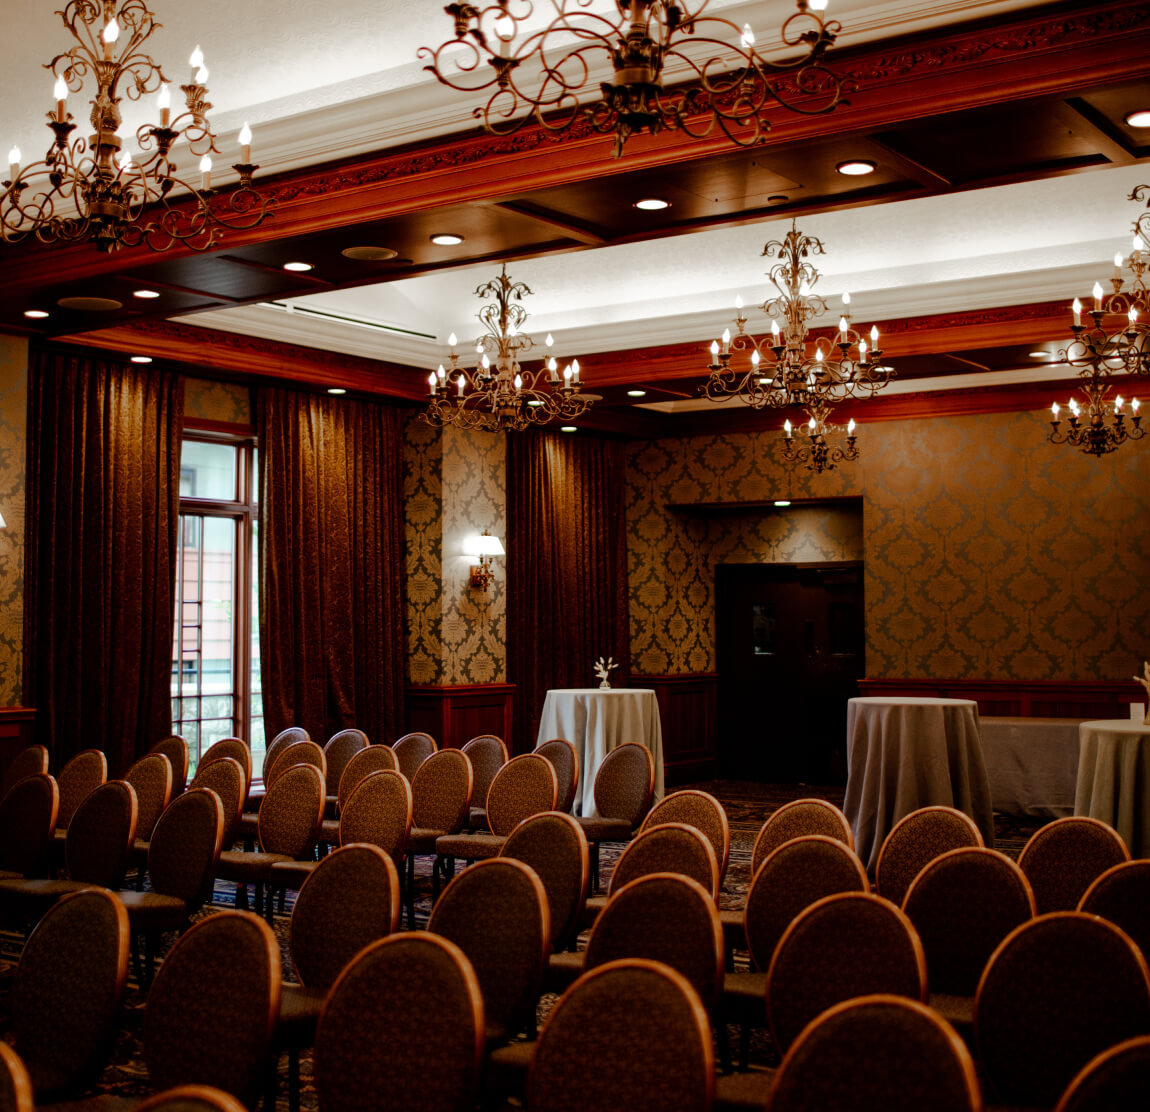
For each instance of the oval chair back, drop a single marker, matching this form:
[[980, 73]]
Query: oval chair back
[[412, 750], [185, 848], [15, 1085], [292, 811], [30, 761], [338, 751], [562, 754], [27, 819], [916, 840], [375, 758], [278, 744], [1116, 1078], [151, 776], [672, 847], [83, 774], [225, 776], [238, 751], [526, 785], [441, 792], [1063, 858], [700, 810], [175, 748], [797, 819], [488, 755], [297, 753], [379, 813], [624, 783], [1122, 895], [100, 835]]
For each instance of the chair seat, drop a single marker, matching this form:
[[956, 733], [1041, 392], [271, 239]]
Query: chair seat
[[743, 1090], [605, 830], [469, 847], [750, 986], [958, 1011], [154, 911], [329, 832], [477, 818], [508, 1066], [249, 825], [31, 898], [422, 839], [292, 874], [246, 867], [300, 1008], [563, 969], [734, 923]]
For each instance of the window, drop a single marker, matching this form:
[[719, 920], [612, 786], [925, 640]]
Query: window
[[215, 646]]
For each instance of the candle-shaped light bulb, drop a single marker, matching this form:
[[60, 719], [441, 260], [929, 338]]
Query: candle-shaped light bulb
[[1119, 402], [14, 163], [164, 103], [846, 298], [738, 302], [787, 428], [851, 427], [1073, 406], [518, 383], [485, 363], [550, 340], [1054, 407], [1117, 264], [206, 172], [567, 375], [755, 358], [202, 74], [441, 373], [432, 382], [452, 340], [874, 335], [862, 350], [111, 31], [1134, 405], [460, 383], [1076, 309], [553, 367], [775, 333], [714, 349], [196, 59], [842, 328], [811, 424], [60, 92], [726, 340], [574, 370], [1097, 294], [747, 38], [1133, 314], [818, 355], [245, 138]]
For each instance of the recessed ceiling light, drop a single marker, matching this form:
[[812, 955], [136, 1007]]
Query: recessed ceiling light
[[856, 167], [446, 239], [141, 358], [777, 198], [652, 204], [1141, 118], [636, 393], [782, 502], [369, 254], [146, 295], [300, 267], [336, 390], [567, 428], [1038, 354], [35, 314]]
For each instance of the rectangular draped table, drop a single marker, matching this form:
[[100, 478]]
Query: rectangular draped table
[[1031, 763], [908, 752], [595, 721], [1114, 778]]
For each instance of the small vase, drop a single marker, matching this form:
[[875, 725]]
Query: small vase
[[605, 685]]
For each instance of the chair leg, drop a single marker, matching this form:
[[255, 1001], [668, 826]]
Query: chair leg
[[411, 891], [744, 1045], [259, 897], [150, 940], [595, 867], [293, 1079], [724, 1047], [241, 897]]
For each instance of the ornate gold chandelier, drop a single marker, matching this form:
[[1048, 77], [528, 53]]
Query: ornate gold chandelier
[[721, 79], [790, 366], [96, 188], [500, 394]]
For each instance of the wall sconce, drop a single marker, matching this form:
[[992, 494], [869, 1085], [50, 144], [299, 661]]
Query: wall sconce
[[484, 546]]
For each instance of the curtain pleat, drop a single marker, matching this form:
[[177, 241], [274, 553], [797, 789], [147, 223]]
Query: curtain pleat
[[103, 510], [566, 568], [332, 625]]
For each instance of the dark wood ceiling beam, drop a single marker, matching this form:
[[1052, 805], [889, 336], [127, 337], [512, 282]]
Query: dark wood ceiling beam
[[1083, 119], [577, 231]]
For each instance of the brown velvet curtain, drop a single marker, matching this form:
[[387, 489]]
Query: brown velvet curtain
[[103, 507], [332, 614], [566, 567]]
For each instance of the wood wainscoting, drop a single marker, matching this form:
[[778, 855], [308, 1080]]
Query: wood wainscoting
[[687, 710], [17, 731], [1022, 698], [454, 714]]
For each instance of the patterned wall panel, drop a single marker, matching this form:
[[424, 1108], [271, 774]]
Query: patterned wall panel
[[989, 553], [423, 513], [208, 400], [13, 440]]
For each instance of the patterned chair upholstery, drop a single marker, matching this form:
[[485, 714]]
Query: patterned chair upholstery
[[83, 774], [278, 743], [375, 758], [1122, 895], [623, 788], [151, 776], [413, 998], [238, 751], [799, 873], [289, 821], [225, 776], [563, 755], [963, 904], [797, 819], [1059, 989], [338, 751], [1116, 1078], [290, 755], [191, 1098], [350, 900], [182, 858], [15, 1085], [67, 993], [212, 1010], [554, 845], [488, 754], [1064, 857], [31, 761], [412, 750], [496, 912], [27, 819], [700, 810], [175, 748], [916, 840], [629, 1034], [878, 1051]]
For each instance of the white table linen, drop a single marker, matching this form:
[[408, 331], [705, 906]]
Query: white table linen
[[908, 752], [1114, 778], [595, 721], [1032, 764]]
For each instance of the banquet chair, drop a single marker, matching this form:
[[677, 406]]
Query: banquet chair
[[375, 758], [225, 776], [338, 751], [799, 873], [27, 819], [15, 1085], [278, 744], [85, 772], [963, 904], [289, 821], [190, 1098], [561, 753], [175, 748], [916, 840], [290, 755], [1064, 857], [554, 845], [412, 750], [797, 819], [378, 814], [182, 856], [67, 992], [628, 1034], [1118, 1078], [30, 761], [1059, 989], [876, 1051], [1122, 895], [151, 776], [95, 853], [212, 1009], [349, 900], [440, 798], [526, 785], [236, 749], [623, 788], [402, 1029], [488, 754], [700, 810], [496, 913]]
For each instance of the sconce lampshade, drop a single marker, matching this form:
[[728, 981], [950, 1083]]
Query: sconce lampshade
[[483, 544]]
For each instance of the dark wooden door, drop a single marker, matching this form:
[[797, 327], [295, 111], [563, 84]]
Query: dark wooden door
[[789, 654]]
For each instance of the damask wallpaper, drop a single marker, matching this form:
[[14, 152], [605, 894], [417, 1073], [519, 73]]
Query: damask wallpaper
[[454, 486], [989, 552], [13, 439], [208, 400]]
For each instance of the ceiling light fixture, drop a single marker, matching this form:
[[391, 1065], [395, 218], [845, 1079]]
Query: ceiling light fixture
[[35, 314], [299, 268], [568, 428], [96, 188], [636, 393], [788, 367], [446, 239], [141, 359], [336, 390], [780, 502], [856, 167], [498, 394], [539, 75], [1041, 354], [652, 204], [146, 295], [1140, 118]]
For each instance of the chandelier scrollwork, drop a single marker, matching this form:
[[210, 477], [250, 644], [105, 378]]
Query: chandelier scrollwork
[[826, 444], [539, 72], [96, 188], [500, 393]]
